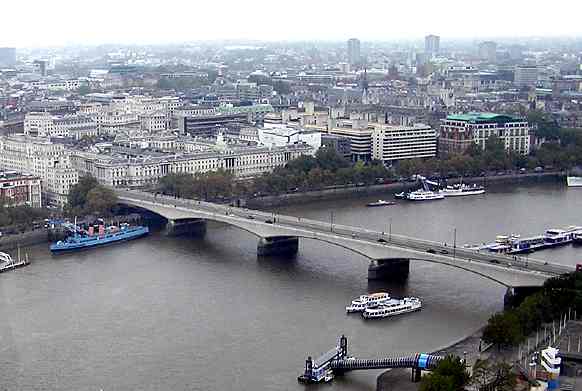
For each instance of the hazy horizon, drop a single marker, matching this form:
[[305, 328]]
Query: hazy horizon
[[64, 22]]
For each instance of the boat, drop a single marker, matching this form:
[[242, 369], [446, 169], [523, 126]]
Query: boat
[[424, 195], [80, 239], [393, 307], [380, 203], [365, 301], [8, 263], [400, 196], [574, 181], [462, 189], [514, 244]]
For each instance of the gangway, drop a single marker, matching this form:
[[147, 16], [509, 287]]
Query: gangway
[[336, 361]]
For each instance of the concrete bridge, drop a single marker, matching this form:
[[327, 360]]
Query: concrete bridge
[[389, 254]]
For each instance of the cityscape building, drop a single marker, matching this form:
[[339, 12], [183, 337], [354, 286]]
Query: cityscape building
[[432, 45], [354, 55]]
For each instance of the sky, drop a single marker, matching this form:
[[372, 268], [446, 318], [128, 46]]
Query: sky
[[40, 23]]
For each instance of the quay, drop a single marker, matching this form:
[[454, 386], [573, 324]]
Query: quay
[[337, 362]]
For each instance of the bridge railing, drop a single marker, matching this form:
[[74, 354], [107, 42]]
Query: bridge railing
[[355, 232]]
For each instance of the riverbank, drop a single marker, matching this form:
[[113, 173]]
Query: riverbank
[[359, 191], [468, 347]]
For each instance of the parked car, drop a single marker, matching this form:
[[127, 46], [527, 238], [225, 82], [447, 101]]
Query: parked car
[[381, 240], [431, 251], [269, 221]]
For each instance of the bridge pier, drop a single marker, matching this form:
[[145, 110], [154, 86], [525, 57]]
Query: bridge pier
[[189, 227], [389, 269], [278, 245], [514, 296]]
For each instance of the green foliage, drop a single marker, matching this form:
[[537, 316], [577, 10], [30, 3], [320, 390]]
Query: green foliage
[[558, 294], [449, 375], [89, 197], [503, 329], [544, 125], [84, 89], [21, 216]]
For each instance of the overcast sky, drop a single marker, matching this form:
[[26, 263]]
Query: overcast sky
[[59, 22]]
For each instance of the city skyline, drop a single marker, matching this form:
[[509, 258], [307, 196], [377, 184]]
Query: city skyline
[[62, 22]]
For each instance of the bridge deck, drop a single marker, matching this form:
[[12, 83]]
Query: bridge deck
[[508, 270]]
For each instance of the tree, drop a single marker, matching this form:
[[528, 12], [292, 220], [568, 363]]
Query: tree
[[77, 197], [83, 89], [100, 201], [449, 375], [329, 159], [503, 329]]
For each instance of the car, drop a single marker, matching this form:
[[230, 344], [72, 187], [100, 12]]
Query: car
[[269, 221], [431, 251], [250, 217], [443, 251], [495, 261], [382, 240]]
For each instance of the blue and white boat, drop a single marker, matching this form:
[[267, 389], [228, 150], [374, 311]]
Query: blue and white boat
[[80, 239]]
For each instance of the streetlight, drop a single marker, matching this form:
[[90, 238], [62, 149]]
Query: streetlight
[[331, 220], [390, 230], [454, 242]]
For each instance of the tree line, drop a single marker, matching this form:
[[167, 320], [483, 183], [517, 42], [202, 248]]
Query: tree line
[[88, 197], [558, 294]]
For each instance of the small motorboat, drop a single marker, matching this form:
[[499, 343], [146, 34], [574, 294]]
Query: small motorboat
[[380, 203]]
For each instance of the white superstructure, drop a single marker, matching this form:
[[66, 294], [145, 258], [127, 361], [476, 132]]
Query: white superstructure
[[393, 307], [365, 301], [574, 181]]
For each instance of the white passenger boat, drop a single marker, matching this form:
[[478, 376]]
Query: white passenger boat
[[424, 195], [462, 190], [366, 301], [574, 181], [393, 307], [8, 263], [380, 203]]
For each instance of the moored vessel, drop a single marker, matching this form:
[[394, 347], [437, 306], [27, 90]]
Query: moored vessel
[[365, 301], [80, 239], [424, 195], [462, 190], [574, 181], [8, 263], [380, 203], [393, 307]]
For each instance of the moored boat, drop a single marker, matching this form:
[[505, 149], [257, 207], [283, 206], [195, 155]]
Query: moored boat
[[365, 301], [393, 307], [462, 190], [81, 239], [574, 181], [424, 195], [380, 203], [8, 263]]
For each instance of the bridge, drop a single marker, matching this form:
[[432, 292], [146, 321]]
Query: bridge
[[389, 254], [337, 362]]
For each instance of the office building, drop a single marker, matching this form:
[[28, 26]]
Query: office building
[[7, 57], [17, 189], [526, 76], [488, 51], [44, 159], [459, 131], [432, 45], [339, 144], [393, 143], [354, 55]]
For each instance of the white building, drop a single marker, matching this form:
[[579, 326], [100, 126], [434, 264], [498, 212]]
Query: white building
[[47, 125], [153, 122], [526, 76], [40, 157], [280, 135], [392, 143], [123, 171]]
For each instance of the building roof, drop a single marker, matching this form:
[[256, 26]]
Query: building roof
[[483, 117]]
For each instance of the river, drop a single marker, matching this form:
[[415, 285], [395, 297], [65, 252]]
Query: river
[[205, 314]]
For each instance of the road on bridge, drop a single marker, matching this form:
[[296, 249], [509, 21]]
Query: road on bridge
[[435, 249]]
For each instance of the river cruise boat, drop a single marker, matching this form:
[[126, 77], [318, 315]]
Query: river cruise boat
[[365, 301], [574, 181], [577, 237], [80, 239], [462, 190], [393, 307], [380, 203], [424, 195], [8, 263]]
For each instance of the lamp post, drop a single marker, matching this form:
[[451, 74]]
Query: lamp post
[[390, 230], [454, 242], [331, 216]]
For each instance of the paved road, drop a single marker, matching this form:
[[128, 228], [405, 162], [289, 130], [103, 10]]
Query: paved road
[[273, 220]]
